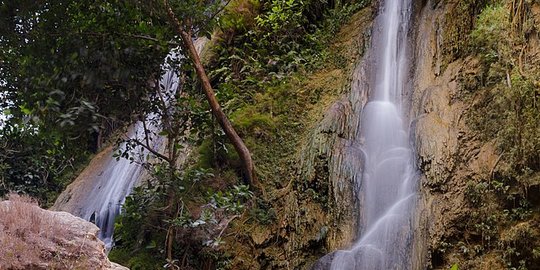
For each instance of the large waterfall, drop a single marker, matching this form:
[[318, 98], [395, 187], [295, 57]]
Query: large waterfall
[[387, 189], [105, 200]]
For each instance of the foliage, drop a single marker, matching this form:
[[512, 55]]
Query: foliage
[[283, 16], [263, 213], [97, 59], [504, 112], [492, 24], [142, 260], [460, 20], [509, 110], [285, 37], [35, 164], [145, 211], [232, 200], [66, 67], [519, 244]]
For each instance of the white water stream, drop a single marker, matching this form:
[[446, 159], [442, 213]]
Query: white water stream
[[113, 181], [119, 177], [389, 183]]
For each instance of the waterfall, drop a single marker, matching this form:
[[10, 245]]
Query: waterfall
[[387, 188], [118, 177], [105, 200], [100, 190]]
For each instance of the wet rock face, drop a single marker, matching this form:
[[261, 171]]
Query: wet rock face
[[333, 159], [78, 192], [449, 153], [34, 238]]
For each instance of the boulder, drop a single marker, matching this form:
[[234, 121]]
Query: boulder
[[35, 238]]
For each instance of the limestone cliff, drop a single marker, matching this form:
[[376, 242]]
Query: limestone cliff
[[465, 217], [470, 212]]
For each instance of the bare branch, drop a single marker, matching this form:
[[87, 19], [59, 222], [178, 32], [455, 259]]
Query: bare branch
[[151, 150], [145, 128], [184, 31]]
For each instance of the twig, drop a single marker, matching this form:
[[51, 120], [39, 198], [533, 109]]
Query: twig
[[508, 79], [219, 11], [227, 225], [156, 153], [146, 135]]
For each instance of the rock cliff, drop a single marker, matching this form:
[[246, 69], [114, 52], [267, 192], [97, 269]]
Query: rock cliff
[[466, 210]]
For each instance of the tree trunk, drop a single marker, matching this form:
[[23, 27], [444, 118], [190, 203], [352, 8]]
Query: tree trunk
[[239, 146]]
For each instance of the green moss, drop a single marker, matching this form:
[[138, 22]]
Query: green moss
[[249, 121], [136, 261], [459, 21], [205, 154], [239, 15], [231, 156]]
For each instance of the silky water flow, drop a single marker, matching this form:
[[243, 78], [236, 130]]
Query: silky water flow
[[388, 186], [119, 176]]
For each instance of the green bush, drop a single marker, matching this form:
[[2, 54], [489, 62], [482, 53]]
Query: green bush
[[136, 261], [491, 27], [509, 109], [37, 163]]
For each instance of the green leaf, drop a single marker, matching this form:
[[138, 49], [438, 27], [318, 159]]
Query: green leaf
[[151, 245], [25, 110]]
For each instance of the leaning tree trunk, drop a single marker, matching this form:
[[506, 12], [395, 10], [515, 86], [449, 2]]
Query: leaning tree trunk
[[185, 33]]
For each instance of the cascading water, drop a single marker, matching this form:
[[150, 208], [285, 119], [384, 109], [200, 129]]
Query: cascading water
[[100, 190], [103, 205], [118, 178], [388, 186]]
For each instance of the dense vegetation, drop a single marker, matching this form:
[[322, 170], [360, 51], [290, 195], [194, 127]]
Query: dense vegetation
[[252, 78], [68, 66], [76, 75], [66, 69]]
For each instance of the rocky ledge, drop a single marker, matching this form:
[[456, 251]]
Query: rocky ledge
[[34, 238]]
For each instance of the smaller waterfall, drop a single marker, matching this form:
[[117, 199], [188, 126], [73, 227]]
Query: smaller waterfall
[[389, 182], [105, 200], [119, 177], [100, 190]]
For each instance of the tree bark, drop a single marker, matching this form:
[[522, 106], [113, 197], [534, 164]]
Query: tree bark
[[245, 156]]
